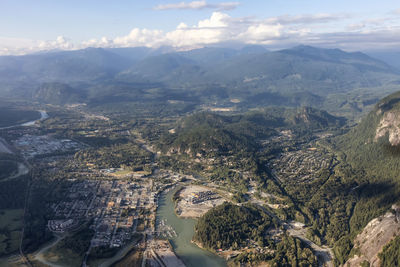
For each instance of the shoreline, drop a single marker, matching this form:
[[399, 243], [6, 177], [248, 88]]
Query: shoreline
[[43, 116], [210, 256], [186, 209], [159, 194]]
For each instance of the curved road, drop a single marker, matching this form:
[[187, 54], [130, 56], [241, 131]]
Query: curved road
[[325, 254], [296, 229]]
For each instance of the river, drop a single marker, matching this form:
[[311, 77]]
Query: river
[[43, 116], [190, 254], [4, 147]]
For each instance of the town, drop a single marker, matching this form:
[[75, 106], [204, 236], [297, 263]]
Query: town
[[115, 207], [32, 145]]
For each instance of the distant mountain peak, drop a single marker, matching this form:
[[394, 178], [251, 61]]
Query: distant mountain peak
[[312, 50], [253, 49]]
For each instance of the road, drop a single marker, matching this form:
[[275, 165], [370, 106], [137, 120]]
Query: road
[[23, 169], [27, 193], [325, 255], [87, 253]]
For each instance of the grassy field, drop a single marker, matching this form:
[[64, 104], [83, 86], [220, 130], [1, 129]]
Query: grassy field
[[10, 116], [10, 230]]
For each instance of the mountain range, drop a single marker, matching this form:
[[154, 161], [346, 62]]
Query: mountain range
[[331, 79]]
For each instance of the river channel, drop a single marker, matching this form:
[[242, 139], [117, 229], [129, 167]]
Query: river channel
[[43, 116], [190, 254]]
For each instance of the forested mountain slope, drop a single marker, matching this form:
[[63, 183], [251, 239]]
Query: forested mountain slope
[[372, 151]]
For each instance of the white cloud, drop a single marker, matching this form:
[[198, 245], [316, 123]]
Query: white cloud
[[356, 26], [197, 5], [396, 11], [61, 42], [140, 37], [308, 19], [103, 42], [363, 40], [208, 31], [263, 32], [16, 46], [217, 19], [219, 28]]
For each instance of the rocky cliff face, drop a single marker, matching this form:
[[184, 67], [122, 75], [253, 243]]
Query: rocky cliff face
[[389, 125], [374, 237], [388, 110]]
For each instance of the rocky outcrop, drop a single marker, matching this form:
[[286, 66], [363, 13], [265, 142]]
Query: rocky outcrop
[[378, 232], [389, 125]]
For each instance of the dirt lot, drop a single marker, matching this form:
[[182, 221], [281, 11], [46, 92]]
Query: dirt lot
[[189, 209]]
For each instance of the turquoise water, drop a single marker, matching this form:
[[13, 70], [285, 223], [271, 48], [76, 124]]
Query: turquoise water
[[191, 255]]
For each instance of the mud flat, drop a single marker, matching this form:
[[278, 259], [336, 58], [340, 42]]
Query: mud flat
[[163, 254], [187, 208]]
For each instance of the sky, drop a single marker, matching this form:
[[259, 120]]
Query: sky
[[28, 26]]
